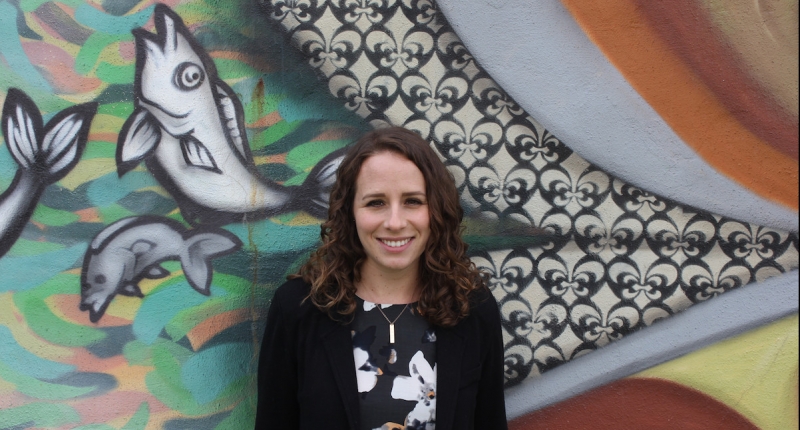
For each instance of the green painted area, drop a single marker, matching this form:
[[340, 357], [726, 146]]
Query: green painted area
[[307, 155], [139, 420], [45, 323], [53, 217], [38, 414], [95, 427], [25, 247], [99, 149], [87, 57], [119, 109], [233, 69], [115, 74], [273, 134]]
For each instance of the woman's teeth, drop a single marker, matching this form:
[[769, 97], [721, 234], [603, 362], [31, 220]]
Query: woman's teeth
[[395, 243]]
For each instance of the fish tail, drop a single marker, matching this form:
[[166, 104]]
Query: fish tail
[[315, 191], [201, 246], [48, 151]]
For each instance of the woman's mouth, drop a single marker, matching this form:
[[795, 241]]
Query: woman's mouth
[[395, 243]]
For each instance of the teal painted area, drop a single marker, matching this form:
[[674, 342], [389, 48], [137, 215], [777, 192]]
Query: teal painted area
[[110, 188], [8, 167], [160, 307], [206, 379], [37, 389], [278, 238], [22, 273], [11, 48], [95, 19], [22, 361]]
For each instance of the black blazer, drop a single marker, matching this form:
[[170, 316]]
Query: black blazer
[[307, 379]]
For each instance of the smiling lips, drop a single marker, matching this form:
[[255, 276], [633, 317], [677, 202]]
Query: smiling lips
[[395, 243]]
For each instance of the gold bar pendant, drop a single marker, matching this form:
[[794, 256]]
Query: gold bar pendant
[[391, 333]]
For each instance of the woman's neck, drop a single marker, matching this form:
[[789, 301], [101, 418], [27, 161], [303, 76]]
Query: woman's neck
[[383, 289]]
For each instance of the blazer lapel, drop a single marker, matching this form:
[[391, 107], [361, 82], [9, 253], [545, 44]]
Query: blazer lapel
[[449, 350], [339, 347]]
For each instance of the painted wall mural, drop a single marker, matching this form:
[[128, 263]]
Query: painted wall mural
[[746, 382], [168, 164]]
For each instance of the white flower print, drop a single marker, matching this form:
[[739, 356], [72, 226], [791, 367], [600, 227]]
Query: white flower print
[[419, 387]]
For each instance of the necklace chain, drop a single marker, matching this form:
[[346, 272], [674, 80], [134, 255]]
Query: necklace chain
[[391, 323]]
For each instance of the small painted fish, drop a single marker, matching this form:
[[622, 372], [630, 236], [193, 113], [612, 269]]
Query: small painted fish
[[132, 249], [44, 153], [188, 126]]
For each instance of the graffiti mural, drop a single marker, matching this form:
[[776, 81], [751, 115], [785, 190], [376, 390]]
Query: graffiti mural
[[132, 249], [44, 156], [168, 166], [724, 385], [188, 126], [123, 285]]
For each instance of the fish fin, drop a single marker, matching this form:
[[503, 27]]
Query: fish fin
[[317, 187], [52, 150], [64, 139], [138, 138], [22, 126], [156, 272], [201, 247], [196, 154], [141, 246], [131, 290], [232, 117]]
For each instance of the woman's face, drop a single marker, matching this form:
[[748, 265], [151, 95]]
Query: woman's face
[[391, 214]]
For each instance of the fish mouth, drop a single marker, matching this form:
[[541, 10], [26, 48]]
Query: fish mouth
[[151, 104]]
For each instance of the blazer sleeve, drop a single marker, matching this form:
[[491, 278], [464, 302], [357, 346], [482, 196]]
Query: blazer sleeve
[[490, 410], [277, 373]]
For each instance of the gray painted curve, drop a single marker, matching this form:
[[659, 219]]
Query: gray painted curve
[[732, 313], [542, 58]]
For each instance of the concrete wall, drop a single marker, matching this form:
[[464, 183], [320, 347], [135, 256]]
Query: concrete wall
[[166, 167]]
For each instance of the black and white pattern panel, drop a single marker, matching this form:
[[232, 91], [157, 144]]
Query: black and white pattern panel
[[620, 259]]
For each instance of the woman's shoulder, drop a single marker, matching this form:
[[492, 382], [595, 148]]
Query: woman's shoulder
[[291, 295], [483, 305]]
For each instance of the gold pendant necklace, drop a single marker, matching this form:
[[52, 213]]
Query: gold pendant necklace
[[391, 323]]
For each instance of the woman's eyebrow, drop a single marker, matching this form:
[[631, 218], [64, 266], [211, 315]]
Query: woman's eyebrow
[[408, 194]]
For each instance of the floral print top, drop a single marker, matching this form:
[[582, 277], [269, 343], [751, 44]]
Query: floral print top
[[396, 382]]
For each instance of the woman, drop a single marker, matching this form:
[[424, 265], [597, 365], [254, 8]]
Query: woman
[[388, 325]]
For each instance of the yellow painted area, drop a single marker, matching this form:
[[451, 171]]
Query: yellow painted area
[[105, 123], [124, 306], [6, 387], [754, 373], [89, 171]]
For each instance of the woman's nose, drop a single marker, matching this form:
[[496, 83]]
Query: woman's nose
[[396, 219]]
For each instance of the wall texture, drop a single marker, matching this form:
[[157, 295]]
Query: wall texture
[[167, 165]]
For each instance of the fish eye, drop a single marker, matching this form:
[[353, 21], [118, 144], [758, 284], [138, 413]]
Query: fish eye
[[188, 76], [100, 279]]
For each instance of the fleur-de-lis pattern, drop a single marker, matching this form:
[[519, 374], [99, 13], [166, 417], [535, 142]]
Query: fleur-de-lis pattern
[[620, 258]]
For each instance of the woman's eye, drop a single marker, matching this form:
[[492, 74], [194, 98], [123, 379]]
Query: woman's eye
[[375, 203], [414, 202]]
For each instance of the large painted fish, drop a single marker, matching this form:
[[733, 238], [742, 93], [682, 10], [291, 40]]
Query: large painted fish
[[132, 249], [188, 127], [44, 153]]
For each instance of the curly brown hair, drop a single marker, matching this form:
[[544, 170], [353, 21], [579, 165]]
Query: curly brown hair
[[447, 276]]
